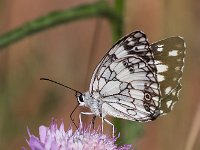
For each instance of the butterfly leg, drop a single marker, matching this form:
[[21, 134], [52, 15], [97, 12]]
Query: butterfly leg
[[102, 119], [113, 127], [108, 122], [83, 113], [103, 114], [93, 119]]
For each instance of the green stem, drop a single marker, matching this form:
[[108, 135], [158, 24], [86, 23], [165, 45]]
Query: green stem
[[98, 9], [117, 24]]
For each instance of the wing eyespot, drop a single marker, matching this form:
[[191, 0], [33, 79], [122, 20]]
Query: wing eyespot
[[147, 96]]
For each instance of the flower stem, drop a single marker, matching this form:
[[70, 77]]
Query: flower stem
[[98, 9], [117, 24]]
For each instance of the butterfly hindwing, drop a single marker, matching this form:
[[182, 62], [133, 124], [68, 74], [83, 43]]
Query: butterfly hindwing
[[169, 57]]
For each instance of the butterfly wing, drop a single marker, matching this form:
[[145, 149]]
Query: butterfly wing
[[169, 60], [126, 80], [132, 92], [134, 43]]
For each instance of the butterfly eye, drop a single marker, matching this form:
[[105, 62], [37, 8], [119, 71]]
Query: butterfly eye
[[80, 98], [147, 96]]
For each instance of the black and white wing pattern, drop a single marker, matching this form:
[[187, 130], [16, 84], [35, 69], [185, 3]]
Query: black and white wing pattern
[[127, 80], [169, 57]]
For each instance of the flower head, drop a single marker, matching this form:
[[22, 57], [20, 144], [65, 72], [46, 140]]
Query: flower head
[[54, 138]]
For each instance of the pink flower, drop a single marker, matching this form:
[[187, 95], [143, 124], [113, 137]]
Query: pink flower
[[54, 138]]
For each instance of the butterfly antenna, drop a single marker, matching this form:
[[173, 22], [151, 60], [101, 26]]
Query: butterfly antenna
[[60, 84]]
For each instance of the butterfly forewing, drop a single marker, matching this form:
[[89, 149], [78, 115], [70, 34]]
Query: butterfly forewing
[[134, 43], [126, 80], [169, 60]]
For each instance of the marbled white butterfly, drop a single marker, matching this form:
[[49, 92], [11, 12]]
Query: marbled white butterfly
[[135, 80]]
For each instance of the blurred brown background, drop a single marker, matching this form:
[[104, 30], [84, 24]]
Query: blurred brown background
[[62, 53]]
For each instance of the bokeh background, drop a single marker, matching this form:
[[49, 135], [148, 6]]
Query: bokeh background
[[64, 53]]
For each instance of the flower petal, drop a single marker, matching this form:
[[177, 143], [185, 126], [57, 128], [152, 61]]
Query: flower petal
[[42, 133], [35, 144], [85, 138]]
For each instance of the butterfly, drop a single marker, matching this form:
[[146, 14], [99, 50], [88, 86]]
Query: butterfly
[[136, 80]]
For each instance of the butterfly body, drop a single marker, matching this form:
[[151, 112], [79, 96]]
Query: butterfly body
[[136, 80], [95, 104]]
